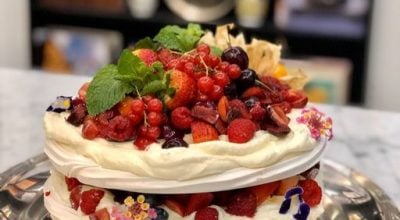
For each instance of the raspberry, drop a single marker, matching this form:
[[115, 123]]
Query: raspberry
[[242, 204], [71, 183], [207, 213], [90, 199], [241, 130], [181, 118], [120, 128], [312, 192], [257, 112]]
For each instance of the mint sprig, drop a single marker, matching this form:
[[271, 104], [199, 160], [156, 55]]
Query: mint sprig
[[113, 82]]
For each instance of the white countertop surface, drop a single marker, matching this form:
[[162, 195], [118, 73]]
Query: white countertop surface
[[366, 140]]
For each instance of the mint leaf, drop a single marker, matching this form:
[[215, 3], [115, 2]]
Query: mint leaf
[[146, 42], [153, 87], [130, 64], [216, 51], [106, 90], [180, 39]]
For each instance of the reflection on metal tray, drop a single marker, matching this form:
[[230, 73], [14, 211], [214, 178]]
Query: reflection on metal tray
[[348, 194]]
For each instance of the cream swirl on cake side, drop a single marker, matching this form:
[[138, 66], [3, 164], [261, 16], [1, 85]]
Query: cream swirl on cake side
[[181, 163]]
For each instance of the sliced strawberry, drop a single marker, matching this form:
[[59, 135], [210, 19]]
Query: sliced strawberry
[[206, 214], [71, 182], [90, 130], [198, 201], [278, 115], [101, 214], [185, 90], [312, 192], [243, 203], [264, 191], [220, 126], [204, 113], [202, 131], [286, 184], [175, 206], [285, 106], [223, 106], [75, 197], [254, 91], [90, 199]]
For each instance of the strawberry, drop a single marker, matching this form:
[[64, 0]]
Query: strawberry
[[312, 192], [286, 184], [263, 191], [90, 199], [148, 56], [101, 214], [198, 201], [71, 182], [185, 90], [241, 130], [254, 91], [243, 203], [175, 206], [223, 106], [202, 131], [206, 214], [75, 197], [83, 90]]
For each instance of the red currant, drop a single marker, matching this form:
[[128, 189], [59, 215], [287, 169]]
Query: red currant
[[154, 118], [213, 61], [216, 93], [189, 68], [223, 66], [142, 142], [205, 84], [153, 132], [203, 48], [234, 71], [155, 105], [221, 79], [181, 117], [147, 98]]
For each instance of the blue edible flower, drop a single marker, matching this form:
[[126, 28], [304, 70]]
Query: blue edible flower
[[61, 104]]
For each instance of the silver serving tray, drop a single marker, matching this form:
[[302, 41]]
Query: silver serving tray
[[348, 194]]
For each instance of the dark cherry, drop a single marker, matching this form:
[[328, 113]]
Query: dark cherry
[[174, 142], [250, 102], [161, 214], [247, 78], [230, 90], [236, 55], [168, 132]]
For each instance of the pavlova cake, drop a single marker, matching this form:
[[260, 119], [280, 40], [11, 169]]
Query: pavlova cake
[[187, 125]]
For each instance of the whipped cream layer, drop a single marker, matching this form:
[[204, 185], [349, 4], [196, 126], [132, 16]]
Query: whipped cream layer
[[180, 163], [58, 205]]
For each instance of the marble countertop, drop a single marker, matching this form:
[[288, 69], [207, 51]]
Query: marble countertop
[[366, 140]]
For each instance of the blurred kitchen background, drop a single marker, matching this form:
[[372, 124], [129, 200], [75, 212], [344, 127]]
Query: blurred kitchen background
[[349, 48]]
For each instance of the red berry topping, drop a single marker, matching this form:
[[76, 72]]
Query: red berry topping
[[90, 130], [243, 203], [101, 214], [216, 93], [203, 48], [154, 118], [120, 128], [205, 84], [142, 142], [75, 197], [205, 113], [155, 105], [153, 132], [221, 79], [185, 90], [202, 131], [198, 201], [312, 192], [241, 130], [148, 56], [206, 214], [71, 183], [130, 106], [257, 112], [234, 71], [82, 91], [90, 199], [181, 118]]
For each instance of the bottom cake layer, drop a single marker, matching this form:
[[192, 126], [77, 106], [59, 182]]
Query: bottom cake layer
[[59, 201]]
